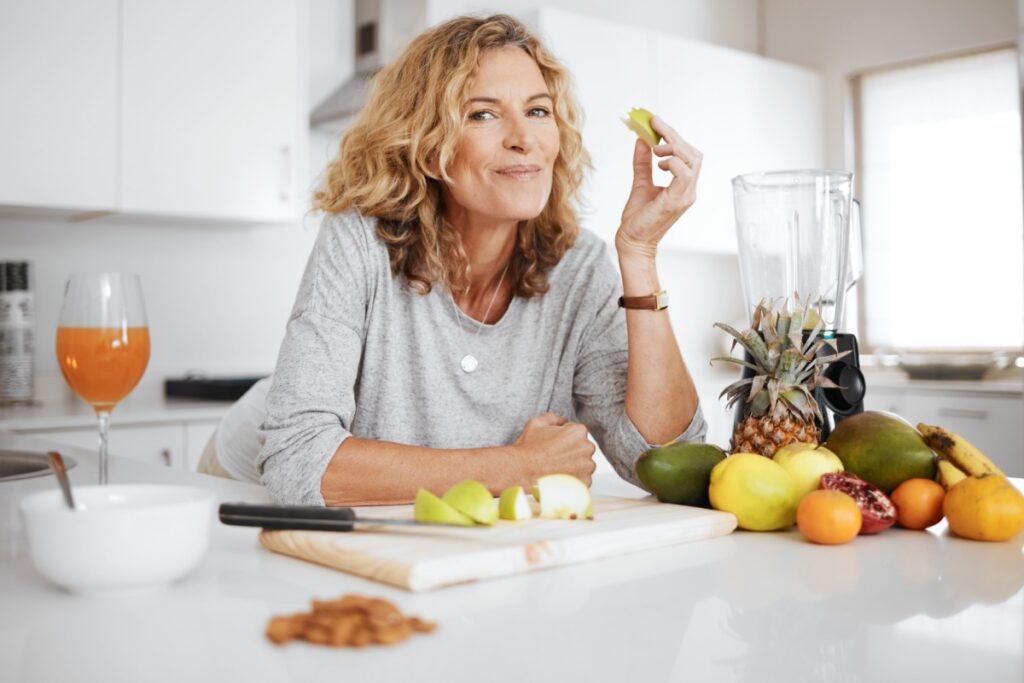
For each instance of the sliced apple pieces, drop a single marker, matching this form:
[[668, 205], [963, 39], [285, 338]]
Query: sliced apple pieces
[[430, 508], [563, 496], [472, 499], [513, 505]]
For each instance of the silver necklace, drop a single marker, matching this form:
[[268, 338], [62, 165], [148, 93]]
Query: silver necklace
[[469, 363]]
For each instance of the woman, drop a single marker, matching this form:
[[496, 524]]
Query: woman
[[453, 321]]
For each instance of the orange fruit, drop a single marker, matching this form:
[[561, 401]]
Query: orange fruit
[[985, 508], [918, 503], [828, 517]]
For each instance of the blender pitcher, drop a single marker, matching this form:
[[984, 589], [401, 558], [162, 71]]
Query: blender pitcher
[[795, 230], [799, 235]]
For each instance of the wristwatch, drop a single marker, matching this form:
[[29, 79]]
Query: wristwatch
[[658, 301]]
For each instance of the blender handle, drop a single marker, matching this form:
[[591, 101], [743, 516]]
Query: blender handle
[[855, 259]]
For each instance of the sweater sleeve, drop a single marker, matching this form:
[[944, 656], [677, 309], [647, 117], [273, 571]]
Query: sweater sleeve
[[311, 402], [599, 384]]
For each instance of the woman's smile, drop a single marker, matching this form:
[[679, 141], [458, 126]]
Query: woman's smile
[[519, 172]]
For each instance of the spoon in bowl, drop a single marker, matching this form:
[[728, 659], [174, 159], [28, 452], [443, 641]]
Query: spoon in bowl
[[57, 463]]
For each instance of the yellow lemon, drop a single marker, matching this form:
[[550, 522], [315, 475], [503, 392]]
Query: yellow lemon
[[758, 490]]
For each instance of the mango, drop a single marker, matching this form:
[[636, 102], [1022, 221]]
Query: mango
[[679, 473], [882, 449]]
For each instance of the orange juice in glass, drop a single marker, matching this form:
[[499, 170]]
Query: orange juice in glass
[[103, 343]]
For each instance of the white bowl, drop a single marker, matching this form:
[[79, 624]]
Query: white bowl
[[119, 538]]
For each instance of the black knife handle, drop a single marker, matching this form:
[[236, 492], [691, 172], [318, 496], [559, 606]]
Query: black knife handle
[[309, 517]]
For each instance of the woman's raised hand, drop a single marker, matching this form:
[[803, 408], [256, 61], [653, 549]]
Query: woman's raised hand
[[651, 209], [550, 444]]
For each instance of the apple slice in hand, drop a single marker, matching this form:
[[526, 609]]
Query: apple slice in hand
[[472, 499], [639, 121], [430, 508], [563, 496]]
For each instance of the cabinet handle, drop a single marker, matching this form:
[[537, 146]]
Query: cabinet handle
[[285, 166], [165, 455], [964, 412]]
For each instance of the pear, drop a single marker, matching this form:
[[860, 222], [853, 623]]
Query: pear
[[472, 499], [639, 122], [513, 504], [563, 496], [430, 508], [806, 462]]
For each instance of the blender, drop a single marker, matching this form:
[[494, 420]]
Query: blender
[[798, 234]]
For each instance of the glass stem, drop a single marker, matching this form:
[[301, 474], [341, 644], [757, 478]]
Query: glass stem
[[104, 420]]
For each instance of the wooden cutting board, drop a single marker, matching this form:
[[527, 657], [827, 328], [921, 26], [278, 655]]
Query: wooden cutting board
[[424, 558]]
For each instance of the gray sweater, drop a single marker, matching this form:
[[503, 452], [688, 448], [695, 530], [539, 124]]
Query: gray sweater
[[365, 354]]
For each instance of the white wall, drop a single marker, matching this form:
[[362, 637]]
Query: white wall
[[842, 38]]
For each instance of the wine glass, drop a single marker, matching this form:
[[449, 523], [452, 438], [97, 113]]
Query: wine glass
[[102, 343]]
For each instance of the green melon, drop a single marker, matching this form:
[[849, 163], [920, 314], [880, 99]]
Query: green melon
[[882, 449], [679, 473]]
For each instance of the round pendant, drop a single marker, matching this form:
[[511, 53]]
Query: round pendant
[[469, 363]]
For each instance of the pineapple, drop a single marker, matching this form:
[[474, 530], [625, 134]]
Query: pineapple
[[778, 400]]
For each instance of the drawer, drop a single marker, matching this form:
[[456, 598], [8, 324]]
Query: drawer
[[197, 434], [994, 425], [162, 444]]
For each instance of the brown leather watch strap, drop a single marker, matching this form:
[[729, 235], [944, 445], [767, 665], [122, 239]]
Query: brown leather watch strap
[[658, 301]]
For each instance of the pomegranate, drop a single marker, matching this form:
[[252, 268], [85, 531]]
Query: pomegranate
[[876, 510]]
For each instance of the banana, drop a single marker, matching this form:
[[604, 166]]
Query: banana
[[949, 474], [958, 451]]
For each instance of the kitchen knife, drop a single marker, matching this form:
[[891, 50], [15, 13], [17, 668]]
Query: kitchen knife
[[309, 517]]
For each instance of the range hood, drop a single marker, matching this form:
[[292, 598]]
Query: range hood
[[382, 30]]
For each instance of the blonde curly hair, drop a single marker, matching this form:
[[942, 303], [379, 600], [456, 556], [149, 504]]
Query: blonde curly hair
[[414, 115]]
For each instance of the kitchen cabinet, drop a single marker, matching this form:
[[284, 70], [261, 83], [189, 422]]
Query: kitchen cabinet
[[992, 421], [197, 434], [172, 444], [210, 108], [157, 444], [174, 109], [58, 120], [744, 112]]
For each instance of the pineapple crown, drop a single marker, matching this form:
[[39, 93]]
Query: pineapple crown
[[786, 368]]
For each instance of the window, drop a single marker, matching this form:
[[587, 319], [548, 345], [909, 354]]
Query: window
[[940, 179]]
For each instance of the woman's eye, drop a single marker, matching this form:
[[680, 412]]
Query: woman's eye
[[539, 112], [481, 116]]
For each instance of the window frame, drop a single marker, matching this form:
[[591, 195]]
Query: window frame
[[855, 149]]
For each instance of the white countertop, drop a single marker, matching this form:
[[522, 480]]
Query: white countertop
[[911, 606], [1008, 383], [58, 408]]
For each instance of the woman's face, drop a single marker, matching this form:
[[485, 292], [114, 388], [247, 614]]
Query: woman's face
[[504, 160]]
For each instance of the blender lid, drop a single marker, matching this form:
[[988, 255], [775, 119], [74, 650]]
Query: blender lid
[[790, 179]]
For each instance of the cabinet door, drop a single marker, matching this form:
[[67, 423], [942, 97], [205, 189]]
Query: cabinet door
[[58, 117], [210, 119], [745, 113], [197, 434], [991, 423], [161, 444]]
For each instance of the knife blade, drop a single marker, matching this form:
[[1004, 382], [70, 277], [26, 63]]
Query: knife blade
[[305, 517]]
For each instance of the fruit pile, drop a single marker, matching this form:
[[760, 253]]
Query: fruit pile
[[874, 471], [560, 496]]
